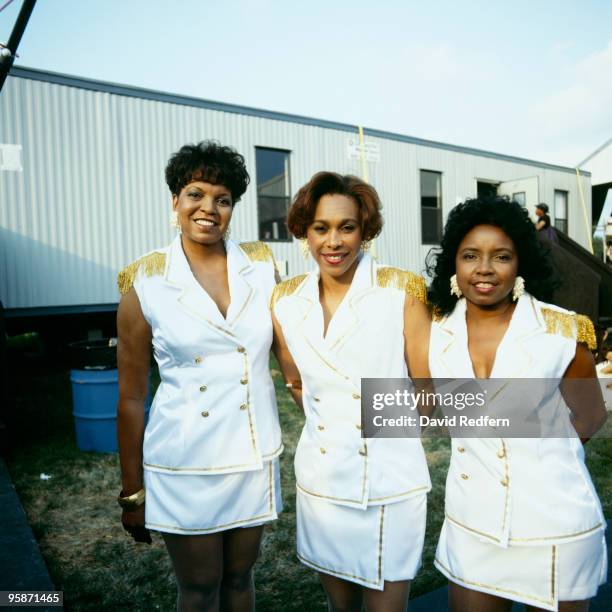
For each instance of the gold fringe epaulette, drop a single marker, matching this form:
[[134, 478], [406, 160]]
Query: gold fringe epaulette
[[257, 251], [570, 325], [150, 265], [286, 288], [411, 283]]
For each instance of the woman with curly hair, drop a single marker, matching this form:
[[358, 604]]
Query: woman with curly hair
[[360, 502], [207, 458], [522, 519]]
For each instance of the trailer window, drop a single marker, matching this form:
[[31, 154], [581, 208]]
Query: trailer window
[[273, 193], [561, 210], [431, 207]]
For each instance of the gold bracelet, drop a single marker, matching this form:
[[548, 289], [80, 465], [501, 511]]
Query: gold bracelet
[[131, 502]]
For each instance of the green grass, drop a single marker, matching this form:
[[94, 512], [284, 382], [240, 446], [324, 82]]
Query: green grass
[[76, 520]]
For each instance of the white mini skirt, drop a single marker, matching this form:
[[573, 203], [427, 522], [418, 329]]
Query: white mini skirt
[[368, 547], [540, 576], [201, 504]]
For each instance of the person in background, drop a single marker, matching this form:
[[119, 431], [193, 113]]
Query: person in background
[[361, 503], [522, 519], [204, 472], [543, 224]]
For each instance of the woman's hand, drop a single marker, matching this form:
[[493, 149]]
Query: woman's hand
[[134, 523]]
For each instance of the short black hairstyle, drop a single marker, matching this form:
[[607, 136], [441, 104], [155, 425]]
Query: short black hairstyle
[[534, 260], [211, 162]]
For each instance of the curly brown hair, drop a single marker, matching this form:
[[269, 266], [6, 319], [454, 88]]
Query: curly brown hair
[[302, 210]]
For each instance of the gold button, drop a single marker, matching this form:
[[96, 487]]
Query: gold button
[[363, 451], [323, 451], [198, 360], [244, 381], [356, 396], [358, 426], [205, 413], [504, 482], [241, 349], [320, 427], [203, 388], [460, 449], [501, 453], [243, 406], [464, 476]]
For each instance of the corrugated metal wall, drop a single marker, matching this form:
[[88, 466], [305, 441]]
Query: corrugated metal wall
[[92, 197]]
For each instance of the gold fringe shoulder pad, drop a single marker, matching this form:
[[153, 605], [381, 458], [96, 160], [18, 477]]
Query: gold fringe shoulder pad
[[257, 251], [570, 325], [404, 280], [286, 288], [152, 264]]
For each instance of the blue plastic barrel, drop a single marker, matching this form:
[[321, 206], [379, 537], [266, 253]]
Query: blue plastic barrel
[[94, 407], [95, 392]]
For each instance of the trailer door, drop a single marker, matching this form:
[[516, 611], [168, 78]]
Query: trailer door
[[525, 191]]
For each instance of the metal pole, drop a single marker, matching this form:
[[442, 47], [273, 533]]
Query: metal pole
[[587, 225], [7, 54]]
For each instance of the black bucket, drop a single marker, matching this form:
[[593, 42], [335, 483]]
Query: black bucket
[[93, 354]]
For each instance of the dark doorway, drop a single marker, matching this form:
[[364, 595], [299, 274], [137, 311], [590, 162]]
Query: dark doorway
[[599, 194], [486, 188]]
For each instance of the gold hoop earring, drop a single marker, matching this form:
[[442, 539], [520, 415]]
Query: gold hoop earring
[[174, 220], [519, 288], [366, 245], [454, 286], [227, 233]]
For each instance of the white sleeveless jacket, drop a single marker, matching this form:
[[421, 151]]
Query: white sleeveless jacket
[[364, 340], [518, 491], [215, 409]]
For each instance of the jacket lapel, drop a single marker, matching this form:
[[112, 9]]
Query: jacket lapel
[[310, 326], [192, 298], [513, 359], [451, 350], [348, 317], [239, 269]]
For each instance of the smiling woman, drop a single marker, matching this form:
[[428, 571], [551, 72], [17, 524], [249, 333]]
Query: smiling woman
[[208, 457], [353, 494], [523, 521]]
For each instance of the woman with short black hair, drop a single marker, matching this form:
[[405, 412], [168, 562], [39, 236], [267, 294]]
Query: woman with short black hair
[[207, 458]]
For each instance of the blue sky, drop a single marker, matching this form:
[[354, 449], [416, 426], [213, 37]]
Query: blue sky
[[528, 78]]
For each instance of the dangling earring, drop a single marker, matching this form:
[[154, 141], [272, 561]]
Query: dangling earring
[[519, 288], [304, 248], [365, 245], [174, 221], [227, 233], [454, 286]]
